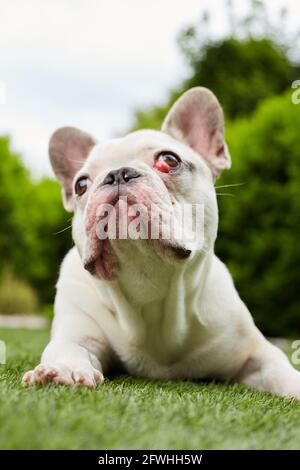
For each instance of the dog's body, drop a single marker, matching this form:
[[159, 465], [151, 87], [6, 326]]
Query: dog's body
[[157, 308]]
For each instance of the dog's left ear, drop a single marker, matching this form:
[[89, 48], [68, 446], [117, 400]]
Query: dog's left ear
[[197, 119], [68, 150]]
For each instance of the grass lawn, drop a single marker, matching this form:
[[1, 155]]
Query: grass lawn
[[127, 413]]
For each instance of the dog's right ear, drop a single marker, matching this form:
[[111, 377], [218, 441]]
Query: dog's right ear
[[68, 149], [197, 119]]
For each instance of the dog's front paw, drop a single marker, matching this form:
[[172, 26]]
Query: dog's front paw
[[64, 375]]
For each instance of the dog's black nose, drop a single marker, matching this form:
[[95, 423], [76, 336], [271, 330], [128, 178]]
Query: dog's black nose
[[121, 175]]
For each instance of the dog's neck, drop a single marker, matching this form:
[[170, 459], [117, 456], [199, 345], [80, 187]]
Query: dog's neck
[[151, 291], [145, 275]]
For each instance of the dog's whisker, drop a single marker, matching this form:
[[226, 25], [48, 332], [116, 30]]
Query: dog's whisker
[[225, 194], [63, 230], [230, 185]]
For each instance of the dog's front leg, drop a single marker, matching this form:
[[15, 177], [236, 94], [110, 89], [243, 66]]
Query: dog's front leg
[[76, 354], [268, 369]]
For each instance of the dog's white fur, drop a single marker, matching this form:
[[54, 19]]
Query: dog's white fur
[[158, 316]]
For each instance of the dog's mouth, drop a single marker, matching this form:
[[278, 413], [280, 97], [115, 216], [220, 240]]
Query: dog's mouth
[[103, 264], [112, 219]]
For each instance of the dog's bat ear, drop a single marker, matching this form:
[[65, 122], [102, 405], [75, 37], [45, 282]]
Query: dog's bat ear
[[197, 119], [68, 149]]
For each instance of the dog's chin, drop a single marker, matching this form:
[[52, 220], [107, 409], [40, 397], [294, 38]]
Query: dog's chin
[[103, 264]]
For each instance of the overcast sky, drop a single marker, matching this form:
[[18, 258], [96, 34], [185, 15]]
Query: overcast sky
[[89, 63]]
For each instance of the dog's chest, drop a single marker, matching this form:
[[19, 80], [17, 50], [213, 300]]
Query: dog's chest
[[167, 337], [194, 356], [161, 345]]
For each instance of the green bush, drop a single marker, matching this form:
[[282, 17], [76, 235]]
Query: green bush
[[17, 296], [33, 234], [259, 227]]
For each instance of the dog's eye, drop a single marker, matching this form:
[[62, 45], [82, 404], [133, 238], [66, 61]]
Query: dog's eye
[[167, 161], [81, 185]]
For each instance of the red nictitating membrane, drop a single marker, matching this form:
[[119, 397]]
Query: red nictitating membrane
[[162, 166]]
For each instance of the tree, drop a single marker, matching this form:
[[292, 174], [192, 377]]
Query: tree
[[250, 64], [14, 183], [242, 73], [259, 227], [31, 215]]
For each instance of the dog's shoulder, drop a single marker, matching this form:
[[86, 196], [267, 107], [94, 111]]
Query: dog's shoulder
[[72, 270], [71, 263]]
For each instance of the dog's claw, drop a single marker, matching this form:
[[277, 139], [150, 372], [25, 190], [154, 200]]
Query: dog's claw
[[89, 380], [63, 375]]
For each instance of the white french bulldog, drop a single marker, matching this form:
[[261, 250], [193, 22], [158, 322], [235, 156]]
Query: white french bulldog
[[156, 307]]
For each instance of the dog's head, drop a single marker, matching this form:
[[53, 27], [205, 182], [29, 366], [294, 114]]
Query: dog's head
[[143, 190]]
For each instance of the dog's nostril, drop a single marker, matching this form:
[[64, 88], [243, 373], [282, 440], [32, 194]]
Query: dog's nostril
[[129, 174], [121, 175], [109, 178]]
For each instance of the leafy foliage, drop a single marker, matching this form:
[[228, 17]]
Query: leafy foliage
[[242, 73], [17, 296], [260, 226], [31, 213]]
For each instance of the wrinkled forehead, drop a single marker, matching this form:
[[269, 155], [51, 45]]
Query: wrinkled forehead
[[139, 146]]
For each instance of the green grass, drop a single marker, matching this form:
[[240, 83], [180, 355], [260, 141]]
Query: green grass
[[127, 413]]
